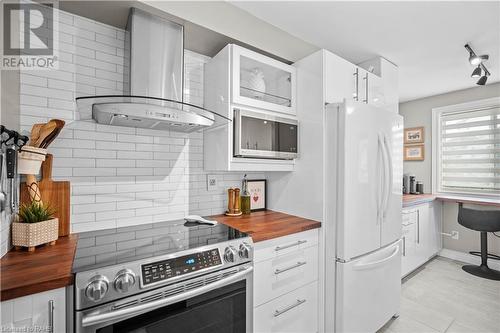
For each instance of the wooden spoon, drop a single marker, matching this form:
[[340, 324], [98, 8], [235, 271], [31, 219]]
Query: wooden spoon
[[35, 133], [48, 140]]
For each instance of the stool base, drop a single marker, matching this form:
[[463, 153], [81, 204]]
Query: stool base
[[482, 271]]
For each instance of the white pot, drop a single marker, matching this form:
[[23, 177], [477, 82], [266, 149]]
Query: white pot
[[29, 160]]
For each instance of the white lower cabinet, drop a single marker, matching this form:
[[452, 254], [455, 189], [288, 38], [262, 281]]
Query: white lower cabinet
[[42, 312], [421, 235], [296, 311], [285, 284]]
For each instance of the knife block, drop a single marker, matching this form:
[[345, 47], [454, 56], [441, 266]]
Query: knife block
[[54, 193]]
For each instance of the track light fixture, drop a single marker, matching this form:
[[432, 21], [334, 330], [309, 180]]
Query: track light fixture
[[478, 61], [482, 80], [477, 72]]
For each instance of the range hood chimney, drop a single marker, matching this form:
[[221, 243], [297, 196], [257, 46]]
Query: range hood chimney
[[153, 81]]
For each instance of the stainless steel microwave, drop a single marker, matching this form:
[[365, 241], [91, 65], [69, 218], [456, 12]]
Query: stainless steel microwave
[[260, 135]]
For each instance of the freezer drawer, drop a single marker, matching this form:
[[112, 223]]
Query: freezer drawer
[[368, 290]]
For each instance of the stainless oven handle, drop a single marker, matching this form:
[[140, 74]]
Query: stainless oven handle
[[94, 319]]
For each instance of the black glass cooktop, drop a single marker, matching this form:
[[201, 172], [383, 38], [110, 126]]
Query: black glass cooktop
[[107, 247]]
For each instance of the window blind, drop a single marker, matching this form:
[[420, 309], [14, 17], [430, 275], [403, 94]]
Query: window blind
[[470, 151]]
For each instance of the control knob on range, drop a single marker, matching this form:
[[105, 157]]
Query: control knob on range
[[97, 288], [229, 254], [125, 279], [244, 251]]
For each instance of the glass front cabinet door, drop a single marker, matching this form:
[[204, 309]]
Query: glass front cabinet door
[[263, 82]]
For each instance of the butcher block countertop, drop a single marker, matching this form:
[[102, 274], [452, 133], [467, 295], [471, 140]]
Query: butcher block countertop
[[49, 267], [268, 224], [416, 199]]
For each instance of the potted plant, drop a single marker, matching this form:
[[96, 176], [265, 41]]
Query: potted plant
[[36, 226]]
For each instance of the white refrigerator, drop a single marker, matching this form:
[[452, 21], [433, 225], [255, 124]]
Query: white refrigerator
[[364, 166]]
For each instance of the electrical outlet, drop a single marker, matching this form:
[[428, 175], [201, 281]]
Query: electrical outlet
[[454, 234], [211, 183]]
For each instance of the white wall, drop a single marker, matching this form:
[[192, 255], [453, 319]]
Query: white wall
[[229, 20], [119, 176], [419, 113]]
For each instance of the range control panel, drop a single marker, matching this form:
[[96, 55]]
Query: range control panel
[[170, 268]]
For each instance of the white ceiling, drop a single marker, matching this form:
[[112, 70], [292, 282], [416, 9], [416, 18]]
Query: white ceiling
[[425, 39]]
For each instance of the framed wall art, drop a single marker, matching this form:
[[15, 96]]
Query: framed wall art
[[414, 152], [414, 135], [257, 189]]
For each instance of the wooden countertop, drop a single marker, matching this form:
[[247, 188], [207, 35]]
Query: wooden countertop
[[416, 199], [49, 267], [268, 224]]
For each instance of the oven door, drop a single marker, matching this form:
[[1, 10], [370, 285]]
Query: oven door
[[218, 302], [260, 135]]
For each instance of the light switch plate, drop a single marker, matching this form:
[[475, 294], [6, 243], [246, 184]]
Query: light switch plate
[[211, 183]]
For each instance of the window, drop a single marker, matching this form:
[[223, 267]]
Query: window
[[466, 148]]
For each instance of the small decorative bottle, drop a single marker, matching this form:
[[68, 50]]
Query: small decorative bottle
[[245, 196]]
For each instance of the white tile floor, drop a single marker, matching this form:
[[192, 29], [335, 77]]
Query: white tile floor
[[441, 297]]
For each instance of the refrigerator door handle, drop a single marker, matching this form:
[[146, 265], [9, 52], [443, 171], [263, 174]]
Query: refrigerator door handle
[[383, 195], [380, 194], [362, 266], [390, 173]]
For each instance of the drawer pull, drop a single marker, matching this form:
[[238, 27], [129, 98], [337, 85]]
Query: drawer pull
[[279, 248], [282, 270], [288, 308]]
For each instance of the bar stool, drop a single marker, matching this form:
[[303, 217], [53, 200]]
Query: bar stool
[[484, 221]]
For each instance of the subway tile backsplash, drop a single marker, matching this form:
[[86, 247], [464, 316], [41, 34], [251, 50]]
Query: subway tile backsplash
[[119, 176]]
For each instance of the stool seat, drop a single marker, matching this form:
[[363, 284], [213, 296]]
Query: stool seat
[[483, 221], [479, 220]]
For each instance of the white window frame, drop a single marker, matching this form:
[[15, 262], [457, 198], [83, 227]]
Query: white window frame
[[436, 142]]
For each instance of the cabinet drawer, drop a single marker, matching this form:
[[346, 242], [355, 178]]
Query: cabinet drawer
[[284, 245], [409, 217], [292, 312], [282, 274]]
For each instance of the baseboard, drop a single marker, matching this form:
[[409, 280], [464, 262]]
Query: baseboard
[[467, 258]]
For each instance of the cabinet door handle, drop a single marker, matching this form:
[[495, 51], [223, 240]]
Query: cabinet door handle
[[282, 270], [356, 84], [289, 307], [404, 246], [51, 316], [366, 88], [418, 227], [283, 247]]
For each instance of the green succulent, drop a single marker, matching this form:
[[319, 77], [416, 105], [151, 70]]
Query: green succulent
[[35, 212]]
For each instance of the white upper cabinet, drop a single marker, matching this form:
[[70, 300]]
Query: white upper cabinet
[[344, 80], [262, 82]]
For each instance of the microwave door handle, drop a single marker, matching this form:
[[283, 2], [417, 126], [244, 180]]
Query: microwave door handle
[[94, 319]]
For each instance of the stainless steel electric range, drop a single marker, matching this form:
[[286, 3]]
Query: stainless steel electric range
[[163, 277]]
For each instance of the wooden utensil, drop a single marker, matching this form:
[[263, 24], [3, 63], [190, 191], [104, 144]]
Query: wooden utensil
[[42, 136], [35, 134], [52, 135], [55, 193]]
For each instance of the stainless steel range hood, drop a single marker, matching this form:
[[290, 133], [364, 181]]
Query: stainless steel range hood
[[153, 81]]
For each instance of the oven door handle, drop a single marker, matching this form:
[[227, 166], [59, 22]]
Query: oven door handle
[[94, 319]]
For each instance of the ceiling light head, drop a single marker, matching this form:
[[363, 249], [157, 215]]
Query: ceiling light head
[[477, 72], [476, 60], [482, 80]]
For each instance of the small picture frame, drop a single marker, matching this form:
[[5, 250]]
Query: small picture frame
[[414, 152], [414, 135], [258, 194]]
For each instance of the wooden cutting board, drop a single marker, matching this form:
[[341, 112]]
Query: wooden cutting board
[[55, 193]]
